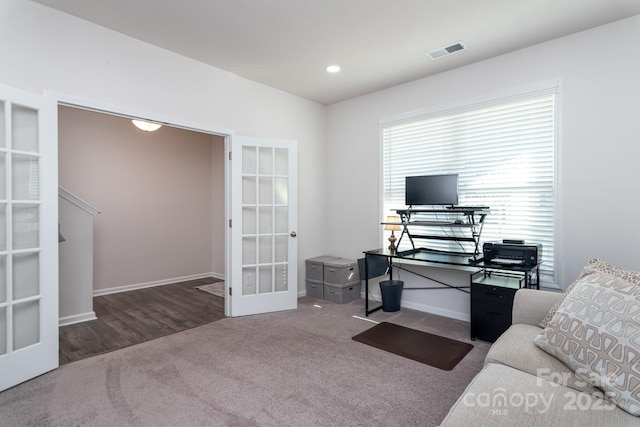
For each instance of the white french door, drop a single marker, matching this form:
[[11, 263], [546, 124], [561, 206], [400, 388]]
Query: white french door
[[28, 236], [263, 271]]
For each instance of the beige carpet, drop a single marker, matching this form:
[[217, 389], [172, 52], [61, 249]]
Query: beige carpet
[[294, 368], [213, 288]]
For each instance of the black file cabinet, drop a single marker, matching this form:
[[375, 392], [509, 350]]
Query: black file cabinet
[[491, 304]]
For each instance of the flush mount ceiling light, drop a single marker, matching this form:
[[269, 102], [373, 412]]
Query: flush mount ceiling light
[[146, 126], [332, 68], [448, 50]]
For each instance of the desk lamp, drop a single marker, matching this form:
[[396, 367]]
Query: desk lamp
[[393, 224]]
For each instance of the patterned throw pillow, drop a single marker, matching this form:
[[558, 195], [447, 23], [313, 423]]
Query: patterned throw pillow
[[595, 266], [596, 332]]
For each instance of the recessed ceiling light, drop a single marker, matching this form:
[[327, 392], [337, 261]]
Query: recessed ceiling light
[[332, 68]]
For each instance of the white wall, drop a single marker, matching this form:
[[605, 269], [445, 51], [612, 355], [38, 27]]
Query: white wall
[[46, 50], [76, 261], [598, 169]]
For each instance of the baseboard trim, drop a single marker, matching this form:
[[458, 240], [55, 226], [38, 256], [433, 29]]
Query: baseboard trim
[[133, 287], [466, 317], [77, 318]]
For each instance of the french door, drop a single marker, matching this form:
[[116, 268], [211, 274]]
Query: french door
[[28, 236], [263, 271]]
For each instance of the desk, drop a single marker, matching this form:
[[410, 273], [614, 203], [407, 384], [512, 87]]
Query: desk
[[530, 274]]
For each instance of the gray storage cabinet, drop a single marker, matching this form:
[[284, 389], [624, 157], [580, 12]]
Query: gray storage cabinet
[[341, 280], [315, 275]]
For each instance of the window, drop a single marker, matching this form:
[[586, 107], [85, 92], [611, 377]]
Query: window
[[503, 151]]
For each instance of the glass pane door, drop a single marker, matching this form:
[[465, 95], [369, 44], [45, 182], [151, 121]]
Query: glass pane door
[[265, 227], [266, 262], [28, 229]]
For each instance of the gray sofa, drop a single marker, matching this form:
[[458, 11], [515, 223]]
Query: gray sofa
[[522, 385]]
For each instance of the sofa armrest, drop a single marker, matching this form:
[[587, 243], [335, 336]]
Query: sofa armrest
[[531, 306]]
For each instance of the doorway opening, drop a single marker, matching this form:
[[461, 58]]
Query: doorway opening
[[162, 202]]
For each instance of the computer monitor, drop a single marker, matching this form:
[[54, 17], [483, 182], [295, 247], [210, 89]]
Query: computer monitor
[[431, 190]]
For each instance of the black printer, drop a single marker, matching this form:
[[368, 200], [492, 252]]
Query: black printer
[[512, 253]]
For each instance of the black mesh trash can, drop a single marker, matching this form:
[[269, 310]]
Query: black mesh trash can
[[391, 293]]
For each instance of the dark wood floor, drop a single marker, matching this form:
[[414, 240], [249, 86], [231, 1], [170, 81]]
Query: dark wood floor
[[132, 317]]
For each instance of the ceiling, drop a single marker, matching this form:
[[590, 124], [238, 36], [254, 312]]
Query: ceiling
[[287, 44]]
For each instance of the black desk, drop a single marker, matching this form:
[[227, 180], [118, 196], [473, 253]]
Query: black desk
[[531, 274]]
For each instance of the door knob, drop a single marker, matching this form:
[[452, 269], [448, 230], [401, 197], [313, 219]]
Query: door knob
[[293, 234]]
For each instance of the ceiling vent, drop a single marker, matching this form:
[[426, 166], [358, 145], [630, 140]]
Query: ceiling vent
[[444, 51]]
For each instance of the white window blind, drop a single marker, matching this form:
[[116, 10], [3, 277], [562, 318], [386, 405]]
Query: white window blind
[[503, 152]]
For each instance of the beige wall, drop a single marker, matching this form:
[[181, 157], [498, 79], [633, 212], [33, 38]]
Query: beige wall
[[157, 192]]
